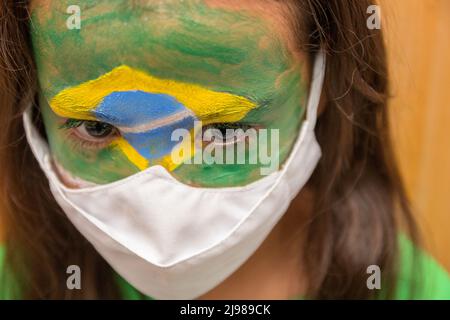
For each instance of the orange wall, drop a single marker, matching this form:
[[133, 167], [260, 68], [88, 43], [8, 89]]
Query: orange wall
[[418, 39]]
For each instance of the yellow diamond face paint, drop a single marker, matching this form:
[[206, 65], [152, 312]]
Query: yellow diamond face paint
[[207, 105], [146, 110], [112, 91]]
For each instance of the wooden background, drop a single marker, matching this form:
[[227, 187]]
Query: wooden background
[[418, 39]]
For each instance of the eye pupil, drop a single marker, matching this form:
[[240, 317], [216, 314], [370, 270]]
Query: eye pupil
[[98, 129]]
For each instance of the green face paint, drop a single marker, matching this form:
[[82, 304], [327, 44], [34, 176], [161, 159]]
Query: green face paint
[[188, 42]]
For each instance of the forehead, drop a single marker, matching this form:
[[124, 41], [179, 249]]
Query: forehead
[[193, 41]]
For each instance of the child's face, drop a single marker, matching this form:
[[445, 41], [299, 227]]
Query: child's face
[[114, 91]]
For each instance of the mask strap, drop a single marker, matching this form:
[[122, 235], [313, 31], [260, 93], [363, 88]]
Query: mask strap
[[37, 144], [315, 93]]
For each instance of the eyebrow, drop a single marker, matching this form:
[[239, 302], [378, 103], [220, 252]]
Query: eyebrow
[[82, 100]]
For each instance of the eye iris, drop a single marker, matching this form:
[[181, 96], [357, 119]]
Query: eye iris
[[224, 127], [98, 129]]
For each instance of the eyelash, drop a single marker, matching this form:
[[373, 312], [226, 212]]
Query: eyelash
[[225, 126], [85, 144], [71, 125]]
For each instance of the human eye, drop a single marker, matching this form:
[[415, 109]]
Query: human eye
[[91, 134], [226, 134]]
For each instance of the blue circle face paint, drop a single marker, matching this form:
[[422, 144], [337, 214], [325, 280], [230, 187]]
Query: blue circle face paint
[[146, 120]]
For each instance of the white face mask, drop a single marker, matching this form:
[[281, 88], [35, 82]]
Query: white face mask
[[174, 241]]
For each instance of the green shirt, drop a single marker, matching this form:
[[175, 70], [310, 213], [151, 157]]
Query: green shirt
[[431, 282]]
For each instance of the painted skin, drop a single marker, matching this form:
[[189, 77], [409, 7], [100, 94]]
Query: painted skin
[[147, 110], [189, 42]]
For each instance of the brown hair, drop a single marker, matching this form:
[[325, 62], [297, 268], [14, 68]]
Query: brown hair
[[360, 200]]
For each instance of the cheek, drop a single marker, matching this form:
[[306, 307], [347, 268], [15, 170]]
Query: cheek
[[216, 175], [244, 162]]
